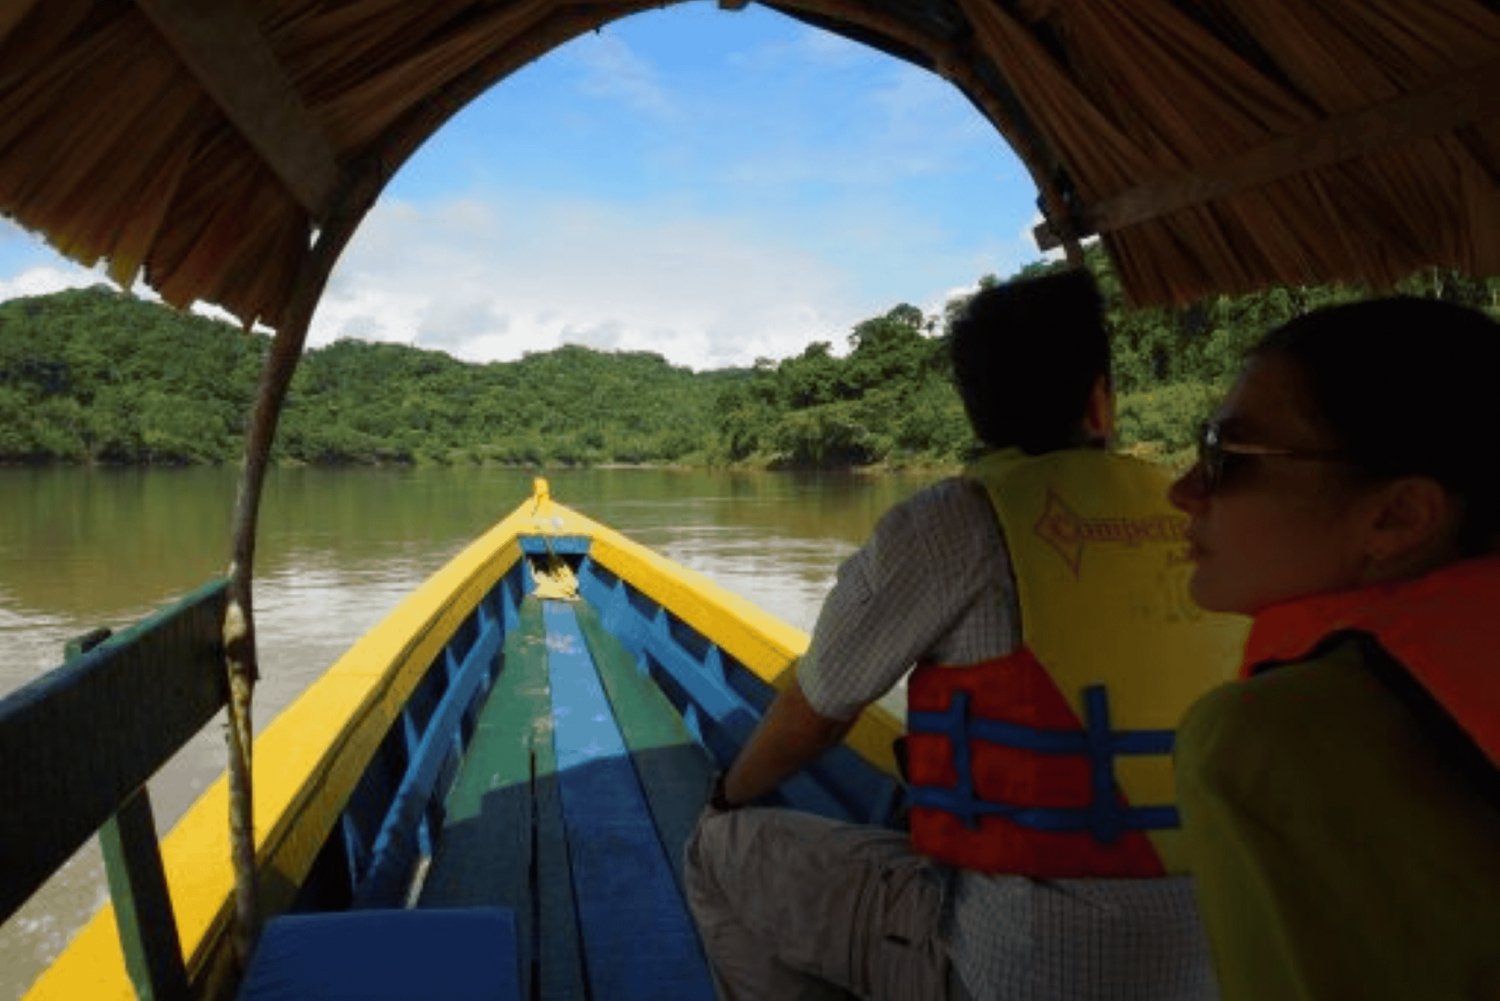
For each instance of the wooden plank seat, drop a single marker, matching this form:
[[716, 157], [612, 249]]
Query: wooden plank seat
[[578, 789], [461, 954]]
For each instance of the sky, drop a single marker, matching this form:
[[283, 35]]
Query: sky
[[713, 186]]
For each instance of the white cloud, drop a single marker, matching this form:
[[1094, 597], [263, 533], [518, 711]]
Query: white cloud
[[940, 302], [495, 283], [489, 280], [612, 70], [825, 48], [45, 279], [925, 128]]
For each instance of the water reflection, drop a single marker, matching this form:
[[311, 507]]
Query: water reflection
[[337, 550]]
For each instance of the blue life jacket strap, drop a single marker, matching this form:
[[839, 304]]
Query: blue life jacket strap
[[1104, 817]]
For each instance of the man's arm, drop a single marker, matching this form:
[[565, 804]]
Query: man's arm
[[927, 562], [790, 736]]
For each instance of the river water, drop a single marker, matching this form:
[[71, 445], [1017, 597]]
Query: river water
[[82, 548]]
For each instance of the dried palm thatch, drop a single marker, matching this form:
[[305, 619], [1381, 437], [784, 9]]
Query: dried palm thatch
[[1215, 146]]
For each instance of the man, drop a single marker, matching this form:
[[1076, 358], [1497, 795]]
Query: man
[[1043, 597]]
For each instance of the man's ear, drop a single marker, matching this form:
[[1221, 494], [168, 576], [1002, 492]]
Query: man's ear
[[1413, 526], [1099, 418]]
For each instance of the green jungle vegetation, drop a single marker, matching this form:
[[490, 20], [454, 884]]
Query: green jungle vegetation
[[98, 376]]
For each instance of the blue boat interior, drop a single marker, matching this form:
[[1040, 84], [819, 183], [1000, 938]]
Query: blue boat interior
[[535, 794]]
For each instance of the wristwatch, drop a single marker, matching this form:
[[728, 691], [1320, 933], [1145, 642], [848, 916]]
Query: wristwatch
[[716, 798]]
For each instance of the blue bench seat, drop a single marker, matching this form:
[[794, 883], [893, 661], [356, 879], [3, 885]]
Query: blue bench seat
[[453, 954]]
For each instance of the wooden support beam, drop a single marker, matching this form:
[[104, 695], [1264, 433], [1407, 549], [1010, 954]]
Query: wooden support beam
[[1471, 98], [224, 49], [143, 908]]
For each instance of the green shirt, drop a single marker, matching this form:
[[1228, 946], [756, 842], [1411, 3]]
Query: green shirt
[[1338, 851]]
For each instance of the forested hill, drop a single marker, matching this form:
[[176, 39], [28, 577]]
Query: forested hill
[[96, 375]]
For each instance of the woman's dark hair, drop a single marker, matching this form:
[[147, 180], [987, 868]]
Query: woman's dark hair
[[1408, 387], [1025, 357]]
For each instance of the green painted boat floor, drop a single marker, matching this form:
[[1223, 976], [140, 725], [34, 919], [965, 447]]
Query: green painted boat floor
[[504, 840]]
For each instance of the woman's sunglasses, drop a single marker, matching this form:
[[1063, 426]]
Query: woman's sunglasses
[[1217, 457]]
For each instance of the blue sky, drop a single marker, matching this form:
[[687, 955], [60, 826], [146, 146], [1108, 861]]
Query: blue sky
[[713, 186]]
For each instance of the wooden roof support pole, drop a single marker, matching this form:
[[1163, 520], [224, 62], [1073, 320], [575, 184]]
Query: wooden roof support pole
[[239, 621]]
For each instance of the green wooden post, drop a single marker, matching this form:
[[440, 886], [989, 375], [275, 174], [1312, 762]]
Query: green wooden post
[[143, 910], [138, 886]]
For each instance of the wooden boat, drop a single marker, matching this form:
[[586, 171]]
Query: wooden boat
[[532, 729], [226, 151]]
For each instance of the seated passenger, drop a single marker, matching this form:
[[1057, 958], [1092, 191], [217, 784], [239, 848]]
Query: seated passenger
[[1342, 802], [1044, 597]]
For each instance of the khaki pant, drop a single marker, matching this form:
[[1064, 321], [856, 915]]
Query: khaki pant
[[793, 906]]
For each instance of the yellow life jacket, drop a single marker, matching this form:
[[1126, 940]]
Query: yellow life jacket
[[1056, 760]]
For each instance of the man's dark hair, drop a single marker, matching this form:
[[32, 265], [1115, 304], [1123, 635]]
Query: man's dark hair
[[1026, 355]]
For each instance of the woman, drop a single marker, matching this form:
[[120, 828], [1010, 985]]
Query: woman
[[1342, 800]]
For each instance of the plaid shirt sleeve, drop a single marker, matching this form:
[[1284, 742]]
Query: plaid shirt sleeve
[[932, 583]]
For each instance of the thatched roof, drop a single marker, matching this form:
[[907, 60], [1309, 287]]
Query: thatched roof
[[1221, 145]]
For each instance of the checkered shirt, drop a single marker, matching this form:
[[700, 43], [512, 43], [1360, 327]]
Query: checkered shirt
[[934, 583]]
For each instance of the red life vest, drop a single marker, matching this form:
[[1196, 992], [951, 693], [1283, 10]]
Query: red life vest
[[1030, 789], [1055, 761], [1444, 628]]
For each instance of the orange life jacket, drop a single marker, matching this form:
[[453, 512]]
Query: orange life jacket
[[1444, 628], [1055, 761]]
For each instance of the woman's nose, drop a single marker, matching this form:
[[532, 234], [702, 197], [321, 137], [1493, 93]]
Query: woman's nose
[[1186, 492]]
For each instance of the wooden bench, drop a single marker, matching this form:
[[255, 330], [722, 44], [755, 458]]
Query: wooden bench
[[79, 744]]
